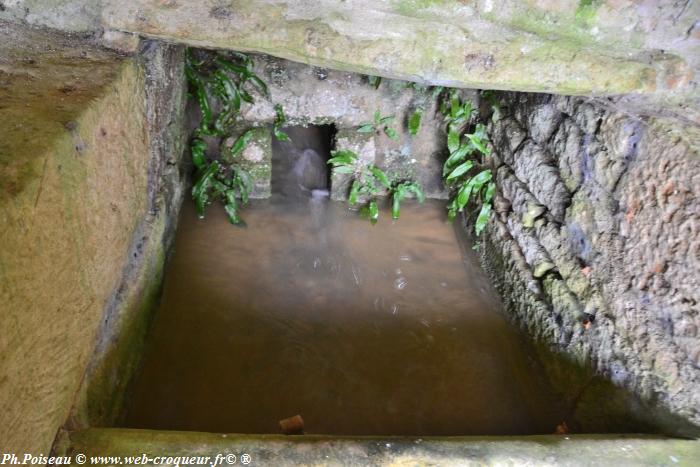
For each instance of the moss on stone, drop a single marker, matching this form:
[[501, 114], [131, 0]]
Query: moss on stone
[[586, 11], [108, 382], [427, 41], [411, 7], [571, 450]]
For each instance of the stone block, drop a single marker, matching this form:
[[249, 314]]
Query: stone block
[[506, 135], [534, 166], [89, 192], [523, 203], [363, 145], [535, 255], [543, 120], [566, 144], [256, 159]]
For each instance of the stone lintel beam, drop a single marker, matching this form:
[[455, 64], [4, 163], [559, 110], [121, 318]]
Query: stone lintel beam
[[557, 47]]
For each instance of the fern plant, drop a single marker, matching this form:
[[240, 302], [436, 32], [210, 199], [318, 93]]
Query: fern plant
[[414, 121], [367, 182], [374, 81], [280, 120], [490, 98], [399, 191], [214, 180], [462, 173], [379, 124], [228, 78]]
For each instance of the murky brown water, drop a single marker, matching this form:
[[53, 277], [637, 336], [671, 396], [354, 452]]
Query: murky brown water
[[389, 329], [361, 329]]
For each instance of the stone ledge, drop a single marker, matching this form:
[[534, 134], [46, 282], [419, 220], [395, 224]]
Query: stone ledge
[[574, 450]]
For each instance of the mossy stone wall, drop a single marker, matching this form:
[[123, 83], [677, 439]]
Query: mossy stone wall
[[593, 244], [86, 217]]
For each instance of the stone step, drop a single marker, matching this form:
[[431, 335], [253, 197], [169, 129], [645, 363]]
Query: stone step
[[279, 450]]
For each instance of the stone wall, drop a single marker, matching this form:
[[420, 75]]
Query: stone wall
[[129, 309], [317, 96], [595, 243], [90, 185]]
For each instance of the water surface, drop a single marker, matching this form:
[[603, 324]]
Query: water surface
[[388, 329]]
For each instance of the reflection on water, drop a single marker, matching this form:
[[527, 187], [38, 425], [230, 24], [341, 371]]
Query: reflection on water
[[361, 329]]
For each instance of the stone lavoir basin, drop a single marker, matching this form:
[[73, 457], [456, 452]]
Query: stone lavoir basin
[[151, 313]]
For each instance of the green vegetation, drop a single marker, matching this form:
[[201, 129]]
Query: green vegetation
[[367, 182], [217, 180], [379, 124], [492, 100], [374, 81], [586, 11], [280, 120], [423, 93], [399, 190], [462, 172], [415, 120], [228, 78]]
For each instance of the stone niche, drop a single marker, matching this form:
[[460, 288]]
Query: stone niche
[[316, 96]]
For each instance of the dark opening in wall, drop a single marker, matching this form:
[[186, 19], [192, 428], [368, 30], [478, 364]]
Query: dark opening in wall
[[299, 166]]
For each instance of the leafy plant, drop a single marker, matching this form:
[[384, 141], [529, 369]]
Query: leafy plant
[[367, 182], [379, 124], [467, 179], [280, 120], [228, 78], [214, 180], [437, 90], [244, 72], [239, 144], [225, 80], [374, 81], [492, 100], [415, 120], [458, 113], [399, 191]]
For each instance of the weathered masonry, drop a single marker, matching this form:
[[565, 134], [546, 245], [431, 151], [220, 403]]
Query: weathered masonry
[[593, 244]]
